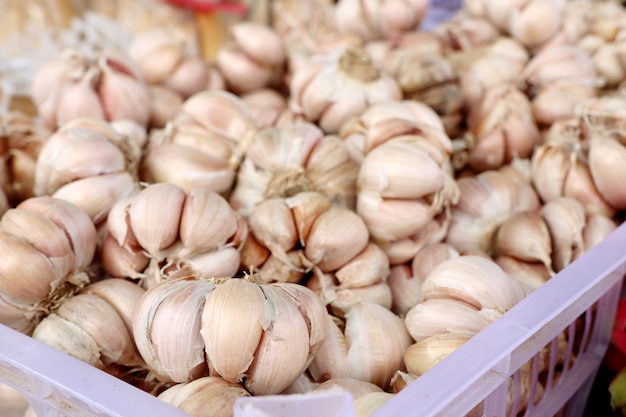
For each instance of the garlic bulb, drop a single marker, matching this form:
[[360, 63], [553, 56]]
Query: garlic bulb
[[90, 163], [296, 157], [162, 229], [162, 59], [285, 327], [560, 168], [557, 79], [532, 22], [48, 246], [252, 58], [368, 345], [406, 174], [486, 200], [375, 19], [306, 238], [329, 88], [502, 127], [203, 145], [21, 139], [204, 397], [501, 62], [93, 328], [106, 86]]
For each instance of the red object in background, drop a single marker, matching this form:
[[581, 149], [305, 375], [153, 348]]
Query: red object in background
[[615, 358], [211, 6]]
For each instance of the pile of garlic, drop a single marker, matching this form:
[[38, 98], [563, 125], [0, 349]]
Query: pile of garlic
[[341, 203]]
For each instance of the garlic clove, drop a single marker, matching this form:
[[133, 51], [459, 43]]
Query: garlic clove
[[165, 104], [189, 78], [425, 354], [313, 310], [97, 194], [597, 227], [155, 214], [355, 387], [531, 275], [524, 235], [101, 321], [606, 160], [273, 226], [120, 294], [234, 304], [79, 99], [367, 404], [475, 280], [42, 234], [283, 351], [156, 45], [401, 380], [399, 170], [204, 397], [199, 232], [368, 267], [221, 262], [336, 237], [306, 207], [440, 316], [253, 253], [122, 92], [173, 353], [429, 257], [405, 287], [70, 338], [565, 218], [274, 269]]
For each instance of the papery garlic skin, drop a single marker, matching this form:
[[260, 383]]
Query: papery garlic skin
[[375, 19], [48, 246], [106, 86], [161, 222], [164, 60]]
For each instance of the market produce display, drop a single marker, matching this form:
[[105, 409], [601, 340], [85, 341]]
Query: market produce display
[[339, 198]]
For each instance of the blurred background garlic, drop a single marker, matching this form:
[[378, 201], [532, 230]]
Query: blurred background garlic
[[21, 140], [162, 229], [107, 86], [48, 246], [203, 145], [560, 167], [91, 163], [328, 88], [286, 325], [374, 19], [253, 57], [163, 59], [556, 80], [502, 127], [296, 157]]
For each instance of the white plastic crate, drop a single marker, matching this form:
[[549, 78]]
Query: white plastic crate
[[580, 300]]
